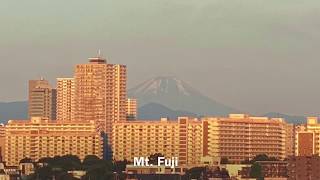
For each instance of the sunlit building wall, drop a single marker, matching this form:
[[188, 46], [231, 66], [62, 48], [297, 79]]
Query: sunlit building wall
[[238, 137], [65, 99], [39, 137], [241, 137], [308, 138], [132, 109], [2, 142], [100, 93]]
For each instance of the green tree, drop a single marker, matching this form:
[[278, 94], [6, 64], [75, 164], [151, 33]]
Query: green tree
[[260, 157], [256, 171], [58, 167], [120, 166], [195, 173], [90, 160], [66, 163], [263, 157], [97, 169]]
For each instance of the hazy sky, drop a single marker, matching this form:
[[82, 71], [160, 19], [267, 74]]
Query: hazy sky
[[255, 55]]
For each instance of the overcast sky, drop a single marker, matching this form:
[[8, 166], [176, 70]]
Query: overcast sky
[[254, 55]]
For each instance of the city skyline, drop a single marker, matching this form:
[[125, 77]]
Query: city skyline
[[257, 56], [159, 89], [96, 118]]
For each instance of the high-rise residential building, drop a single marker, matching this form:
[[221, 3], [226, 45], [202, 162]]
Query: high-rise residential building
[[238, 137], [100, 93], [42, 98], [290, 140], [132, 109], [65, 99], [2, 140], [308, 138], [40, 137]]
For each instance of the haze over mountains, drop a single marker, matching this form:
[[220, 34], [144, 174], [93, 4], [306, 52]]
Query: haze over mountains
[[13, 110], [159, 97], [177, 95]]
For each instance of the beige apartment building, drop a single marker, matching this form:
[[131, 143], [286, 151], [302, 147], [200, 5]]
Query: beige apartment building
[[181, 138], [290, 139], [2, 141], [100, 93], [40, 137], [237, 137], [42, 99], [132, 109], [240, 137], [65, 99]]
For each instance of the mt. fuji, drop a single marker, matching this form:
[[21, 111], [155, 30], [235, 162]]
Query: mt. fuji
[[177, 95]]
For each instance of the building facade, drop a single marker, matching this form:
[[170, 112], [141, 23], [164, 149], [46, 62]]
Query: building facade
[[270, 170], [42, 98], [141, 139], [2, 142], [100, 93], [290, 139], [308, 138], [238, 137], [304, 168], [132, 109], [181, 138], [39, 137], [65, 99]]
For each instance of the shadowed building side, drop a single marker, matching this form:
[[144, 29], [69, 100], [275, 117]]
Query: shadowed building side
[[42, 99]]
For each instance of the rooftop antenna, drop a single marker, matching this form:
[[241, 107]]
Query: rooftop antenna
[[99, 53]]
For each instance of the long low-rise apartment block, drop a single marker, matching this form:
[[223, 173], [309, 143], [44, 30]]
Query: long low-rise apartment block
[[40, 137], [238, 137]]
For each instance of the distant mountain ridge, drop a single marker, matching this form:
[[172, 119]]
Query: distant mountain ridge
[[151, 111], [288, 118], [154, 111], [177, 95], [159, 97], [13, 110]]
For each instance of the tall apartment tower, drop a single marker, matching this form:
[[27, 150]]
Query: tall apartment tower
[[65, 99], [100, 93], [42, 99], [132, 106]]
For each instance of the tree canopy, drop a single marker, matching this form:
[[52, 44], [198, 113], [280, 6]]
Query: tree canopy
[[96, 168]]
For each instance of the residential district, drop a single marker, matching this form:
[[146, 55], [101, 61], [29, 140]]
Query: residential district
[[87, 128]]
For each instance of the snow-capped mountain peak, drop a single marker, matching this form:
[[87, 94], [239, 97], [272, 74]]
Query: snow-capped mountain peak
[[162, 85], [177, 95]]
